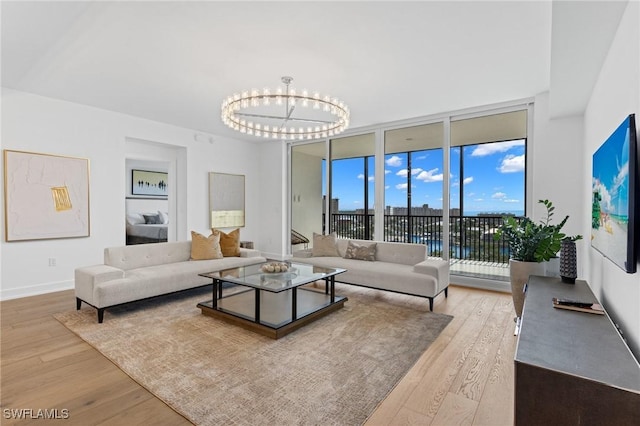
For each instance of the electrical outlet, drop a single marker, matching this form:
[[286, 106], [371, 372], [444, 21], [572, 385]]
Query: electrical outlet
[[52, 261]]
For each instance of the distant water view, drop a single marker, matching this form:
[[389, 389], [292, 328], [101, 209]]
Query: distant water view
[[502, 213]]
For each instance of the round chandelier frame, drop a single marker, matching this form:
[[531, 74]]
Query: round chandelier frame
[[239, 112]]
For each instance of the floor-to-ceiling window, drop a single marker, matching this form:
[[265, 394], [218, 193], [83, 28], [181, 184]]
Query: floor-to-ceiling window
[[482, 156], [487, 167], [352, 187], [413, 183]]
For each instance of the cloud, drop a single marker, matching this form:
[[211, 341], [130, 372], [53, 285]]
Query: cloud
[[605, 203], [510, 201], [386, 172], [403, 172], [430, 176], [478, 199], [393, 161], [361, 176], [623, 173], [401, 186], [512, 164], [499, 195], [495, 147], [467, 180]]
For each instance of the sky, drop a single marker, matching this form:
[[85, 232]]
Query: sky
[[493, 178]]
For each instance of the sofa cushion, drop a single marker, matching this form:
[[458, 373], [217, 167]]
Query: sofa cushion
[[324, 245], [229, 243], [360, 251], [204, 248]]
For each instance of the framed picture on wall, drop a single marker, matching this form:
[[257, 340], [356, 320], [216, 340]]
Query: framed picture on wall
[[144, 182], [46, 196]]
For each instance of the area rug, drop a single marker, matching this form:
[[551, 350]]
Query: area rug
[[333, 371]]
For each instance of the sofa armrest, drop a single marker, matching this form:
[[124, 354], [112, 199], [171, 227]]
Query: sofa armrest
[[436, 268], [245, 252], [306, 253], [86, 278]]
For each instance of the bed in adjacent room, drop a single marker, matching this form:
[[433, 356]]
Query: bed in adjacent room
[[147, 220], [144, 228]]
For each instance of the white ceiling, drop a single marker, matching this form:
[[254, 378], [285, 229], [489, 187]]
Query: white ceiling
[[174, 62]]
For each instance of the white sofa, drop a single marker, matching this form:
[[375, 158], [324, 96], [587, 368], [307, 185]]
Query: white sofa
[[398, 267], [142, 271]]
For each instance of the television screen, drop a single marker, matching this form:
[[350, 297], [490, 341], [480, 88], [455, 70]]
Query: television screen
[[614, 192]]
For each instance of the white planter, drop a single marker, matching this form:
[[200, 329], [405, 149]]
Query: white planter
[[519, 273]]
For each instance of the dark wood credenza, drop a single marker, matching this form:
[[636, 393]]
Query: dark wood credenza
[[572, 368]]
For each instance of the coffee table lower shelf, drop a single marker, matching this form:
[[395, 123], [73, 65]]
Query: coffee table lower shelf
[[275, 310]]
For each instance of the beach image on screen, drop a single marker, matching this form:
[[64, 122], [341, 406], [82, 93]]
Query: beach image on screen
[[610, 196]]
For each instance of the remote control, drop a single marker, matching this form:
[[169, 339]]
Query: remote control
[[577, 304]]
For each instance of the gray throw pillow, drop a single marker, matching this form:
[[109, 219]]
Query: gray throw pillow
[[325, 245], [360, 251], [152, 219]]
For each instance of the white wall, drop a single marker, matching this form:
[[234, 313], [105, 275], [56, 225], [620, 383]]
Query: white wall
[[45, 125], [615, 95], [306, 189], [557, 170], [273, 196]]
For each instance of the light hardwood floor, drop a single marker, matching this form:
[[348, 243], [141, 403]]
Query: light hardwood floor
[[464, 378]]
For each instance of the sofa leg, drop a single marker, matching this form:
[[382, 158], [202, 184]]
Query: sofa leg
[[100, 315], [446, 292], [78, 303], [431, 304]]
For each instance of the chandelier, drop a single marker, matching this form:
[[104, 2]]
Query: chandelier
[[274, 114]]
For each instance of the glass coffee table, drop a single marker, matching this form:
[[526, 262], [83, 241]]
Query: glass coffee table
[[273, 303]]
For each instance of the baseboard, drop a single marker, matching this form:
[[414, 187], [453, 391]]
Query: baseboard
[[483, 283], [34, 290]]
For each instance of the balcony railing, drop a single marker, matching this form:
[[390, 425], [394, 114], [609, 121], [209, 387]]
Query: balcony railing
[[470, 237]]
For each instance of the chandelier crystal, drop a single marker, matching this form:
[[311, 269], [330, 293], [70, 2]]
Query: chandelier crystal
[[260, 113]]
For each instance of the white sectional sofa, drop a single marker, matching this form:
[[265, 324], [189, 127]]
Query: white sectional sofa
[[398, 267], [136, 272]]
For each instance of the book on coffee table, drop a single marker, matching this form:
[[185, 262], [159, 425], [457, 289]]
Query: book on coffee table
[[576, 305]]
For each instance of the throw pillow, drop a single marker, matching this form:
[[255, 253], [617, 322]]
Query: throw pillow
[[164, 217], [152, 219], [360, 251], [229, 243], [325, 245], [135, 219], [205, 248]]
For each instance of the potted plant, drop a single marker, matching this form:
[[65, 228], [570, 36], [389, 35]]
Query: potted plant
[[531, 245]]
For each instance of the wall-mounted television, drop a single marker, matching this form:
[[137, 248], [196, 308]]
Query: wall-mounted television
[[615, 198]]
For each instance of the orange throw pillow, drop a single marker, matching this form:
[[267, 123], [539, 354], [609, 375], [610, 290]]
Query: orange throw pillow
[[205, 248], [229, 243]]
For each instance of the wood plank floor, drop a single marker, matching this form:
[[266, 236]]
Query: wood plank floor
[[464, 378]]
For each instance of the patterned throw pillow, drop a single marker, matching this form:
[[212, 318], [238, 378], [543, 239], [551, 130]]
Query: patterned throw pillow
[[325, 245], [229, 243], [360, 251], [205, 248]]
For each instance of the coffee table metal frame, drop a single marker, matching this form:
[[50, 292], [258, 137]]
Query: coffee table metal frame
[[316, 304]]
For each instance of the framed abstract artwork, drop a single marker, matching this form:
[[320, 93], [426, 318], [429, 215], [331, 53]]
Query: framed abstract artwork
[[226, 200], [45, 196], [149, 183]]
